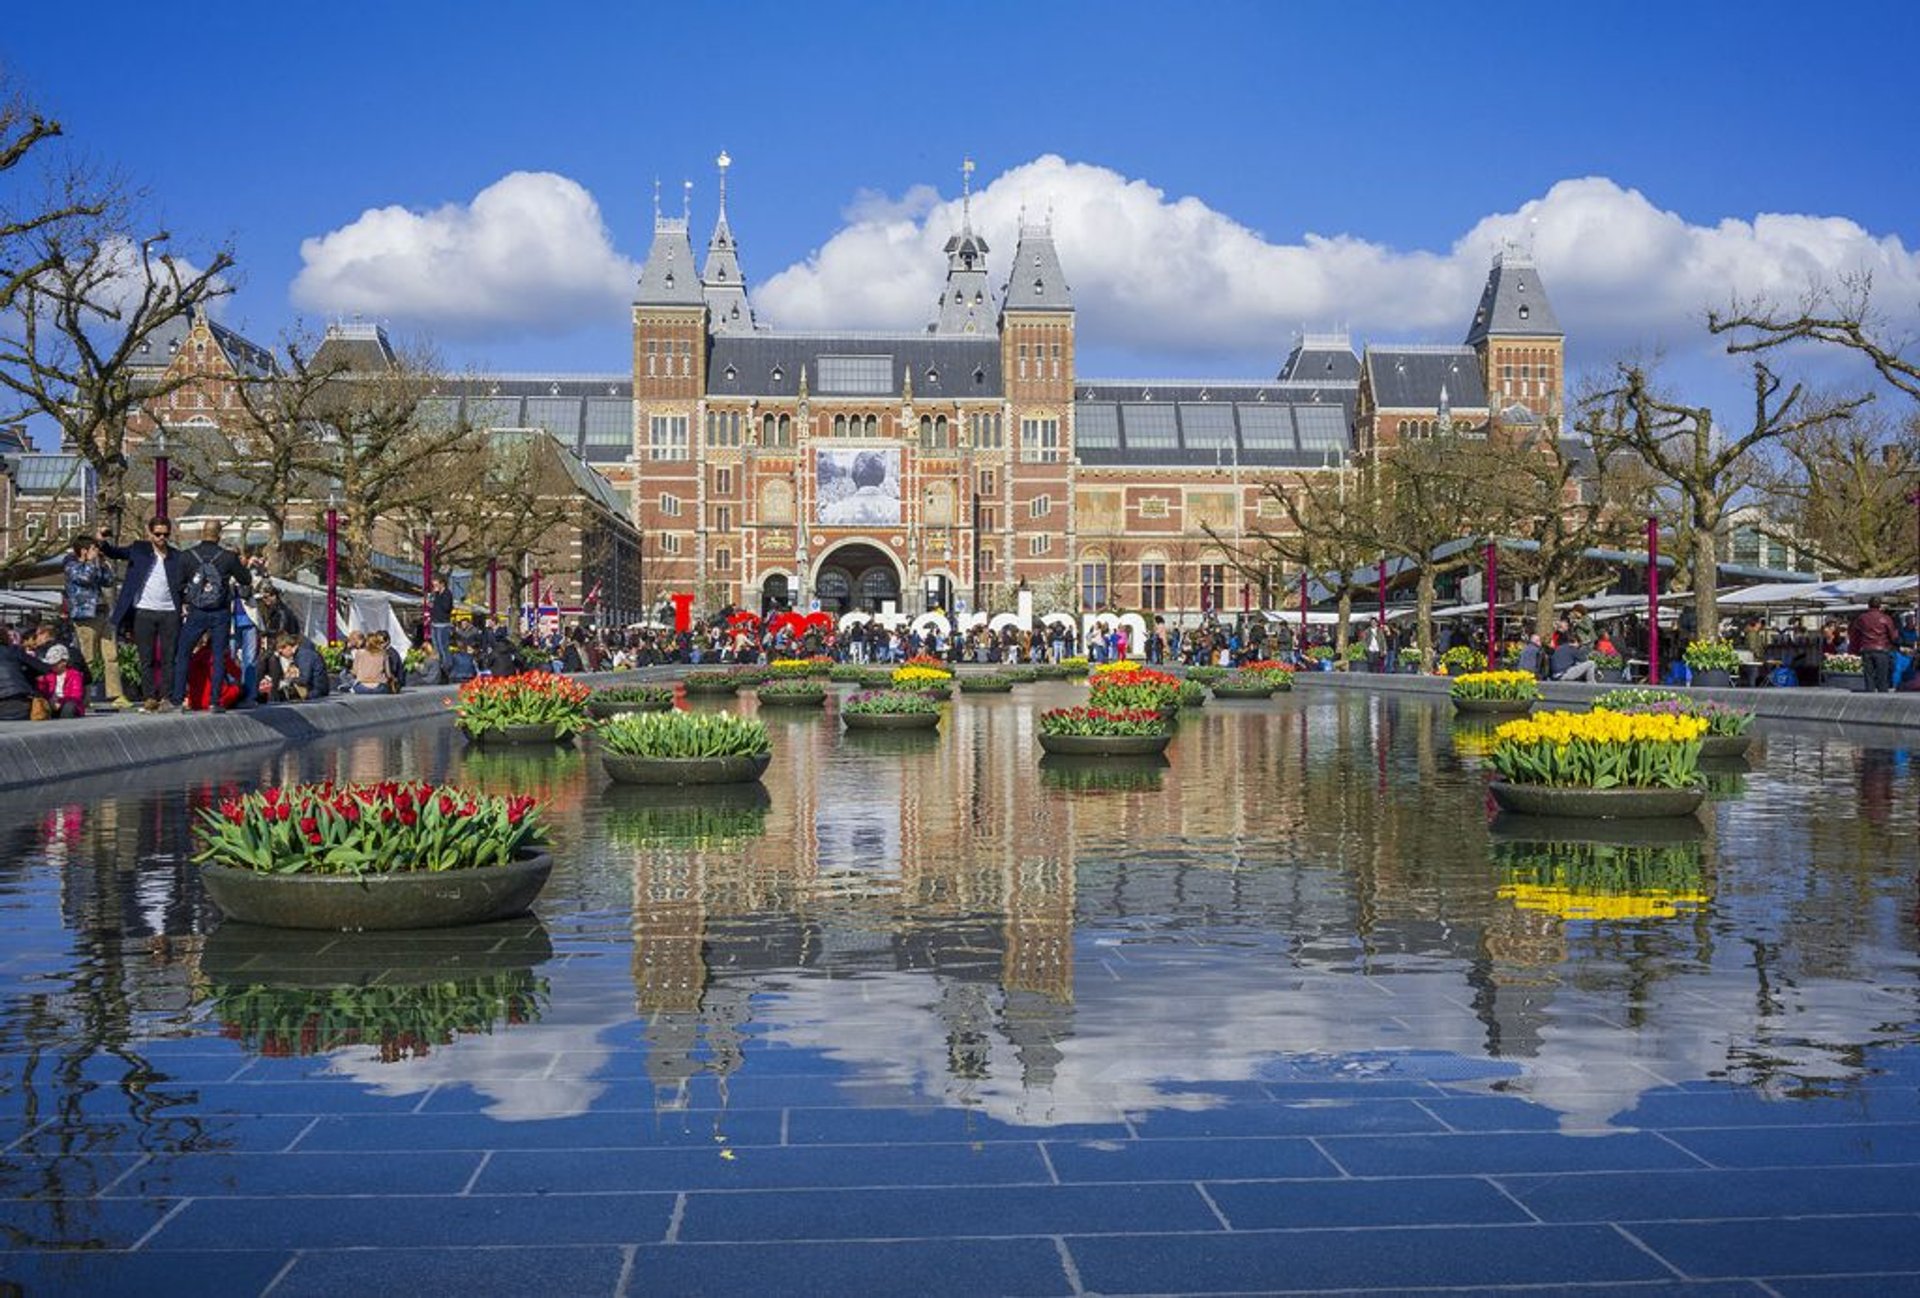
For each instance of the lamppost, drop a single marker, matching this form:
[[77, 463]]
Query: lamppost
[[333, 565], [1653, 599], [1386, 662], [162, 466]]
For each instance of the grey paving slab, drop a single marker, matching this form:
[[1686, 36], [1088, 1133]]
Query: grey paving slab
[[945, 1213], [1803, 1146], [390, 1221], [265, 1175], [1500, 1152], [1419, 1201], [633, 1130], [461, 1272], [1259, 1261], [1694, 1195], [841, 1126], [229, 1273], [1301, 1118], [1797, 1246], [764, 1167], [1187, 1160], [81, 1224], [1865, 1286], [922, 1268]]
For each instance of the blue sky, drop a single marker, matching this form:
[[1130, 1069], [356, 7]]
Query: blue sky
[[1218, 175]]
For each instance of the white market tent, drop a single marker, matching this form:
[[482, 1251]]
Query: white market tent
[[360, 610], [1853, 591]]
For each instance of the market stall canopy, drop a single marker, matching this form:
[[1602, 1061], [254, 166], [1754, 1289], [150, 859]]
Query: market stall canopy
[[1853, 590]]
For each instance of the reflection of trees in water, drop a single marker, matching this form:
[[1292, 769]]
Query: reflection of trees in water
[[126, 895]]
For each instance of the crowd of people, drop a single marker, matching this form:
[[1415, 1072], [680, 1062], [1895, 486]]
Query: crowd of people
[[209, 631]]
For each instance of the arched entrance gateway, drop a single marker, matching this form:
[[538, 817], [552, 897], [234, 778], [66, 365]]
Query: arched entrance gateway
[[857, 577]]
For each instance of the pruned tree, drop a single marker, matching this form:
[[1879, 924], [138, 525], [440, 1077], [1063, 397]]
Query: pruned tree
[[1705, 468], [389, 455], [86, 280], [502, 496], [269, 457], [1845, 492], [1836, 315], [1330, 533]]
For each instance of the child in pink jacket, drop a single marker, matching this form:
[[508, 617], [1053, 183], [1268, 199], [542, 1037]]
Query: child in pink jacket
[[65, 686]]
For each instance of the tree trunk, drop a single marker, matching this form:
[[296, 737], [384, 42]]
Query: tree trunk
[[1706, 572], [1423, 617], [1341, 633], [1549, 600]]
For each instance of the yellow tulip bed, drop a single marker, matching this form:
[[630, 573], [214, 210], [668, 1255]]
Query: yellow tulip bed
[[1495, 685], [1599, 750]]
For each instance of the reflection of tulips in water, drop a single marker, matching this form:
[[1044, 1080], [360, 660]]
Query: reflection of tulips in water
[[697, 817], [1724, 777], [1103, 774], [1583, 879], [1474, 738], [557, 776], [287, 993]]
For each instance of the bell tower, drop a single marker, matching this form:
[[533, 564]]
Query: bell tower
[[1518, 340]]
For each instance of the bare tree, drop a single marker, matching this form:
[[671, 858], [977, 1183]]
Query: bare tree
[[1838, 315], [503, 496], [1844, 493], [86, 282], [270, 459], [1705, 468], [1329, 533]]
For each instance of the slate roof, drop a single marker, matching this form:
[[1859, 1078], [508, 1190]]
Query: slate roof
[[51, 475], [1410, 378], [1322, 358], [357, 346], [250, 360], [669, 278], [944, 366], [1208, 424], [1514, 303], [1035, 282], [589, 414]]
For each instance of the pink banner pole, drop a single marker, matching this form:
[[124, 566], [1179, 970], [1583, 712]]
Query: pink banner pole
[[1653, 600], [1493, 601]]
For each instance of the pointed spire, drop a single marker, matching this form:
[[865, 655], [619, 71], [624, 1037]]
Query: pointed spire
[[723, 283], [1036, 282], [669, 277], [966, 303], [1514, 302], [1446, 408]]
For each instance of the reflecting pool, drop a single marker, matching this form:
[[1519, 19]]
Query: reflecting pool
[[927, 1014]]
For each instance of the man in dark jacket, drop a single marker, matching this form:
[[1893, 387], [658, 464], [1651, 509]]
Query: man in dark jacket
[[296, 670], [214, 574], [1872, 636], [20, 667], [150, 599]]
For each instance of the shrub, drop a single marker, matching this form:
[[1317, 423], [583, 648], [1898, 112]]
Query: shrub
[[1495, 685], [354, 829], [890, 703], [1102, 722], [685, 734], [1600, 750], [1712, 656], [1465, 657], [1357, 652], [529, 699]]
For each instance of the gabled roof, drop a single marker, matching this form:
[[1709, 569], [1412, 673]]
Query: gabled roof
[[1411, 378], [356, 347], [669, 277], [1036, 282], [1514, 303], [248, 358], [943, 366], [1322, 358]]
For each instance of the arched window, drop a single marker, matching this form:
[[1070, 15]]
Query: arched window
[[926, 430], [767, 431], [1095, 576], [941, 437], [839, 425], [873, 426], [786, 430]]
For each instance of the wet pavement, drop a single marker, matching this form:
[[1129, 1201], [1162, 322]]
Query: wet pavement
[[1288, 1010]]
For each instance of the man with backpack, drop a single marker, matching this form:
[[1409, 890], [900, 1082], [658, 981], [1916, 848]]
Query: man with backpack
[[214, 575]]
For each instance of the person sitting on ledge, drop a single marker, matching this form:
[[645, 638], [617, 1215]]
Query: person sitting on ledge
[[296, 672], [63, 686], [20, 667], [367, 668], [1570, 663], [199, 673]]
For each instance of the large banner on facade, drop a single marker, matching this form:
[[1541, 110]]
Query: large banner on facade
[[856, 487]]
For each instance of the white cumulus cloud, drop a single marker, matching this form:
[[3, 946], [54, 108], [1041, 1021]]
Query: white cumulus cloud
[[1154, 274], [529, 254]]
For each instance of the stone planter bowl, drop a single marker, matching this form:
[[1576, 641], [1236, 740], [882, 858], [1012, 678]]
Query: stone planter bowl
[[741, 769], [779, 700], [1854, 681], [731, 686], [1494, 707], [412, 900], [1224, 691], [1713, 678], [985, 687], [1597, 804], [1717, 747], [1105, 745], [543, 733], [602, 709], [890, 720]]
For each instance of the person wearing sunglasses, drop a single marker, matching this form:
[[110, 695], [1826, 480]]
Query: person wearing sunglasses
[[150, 600]]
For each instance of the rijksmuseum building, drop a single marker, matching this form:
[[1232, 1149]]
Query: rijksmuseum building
[[947, 467]]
